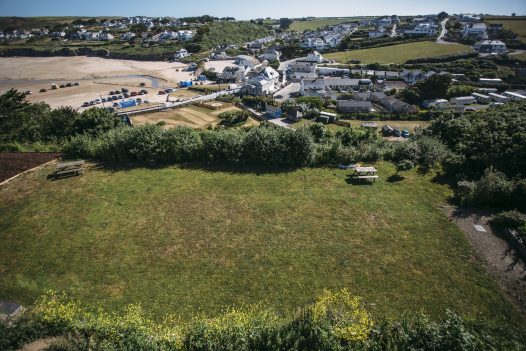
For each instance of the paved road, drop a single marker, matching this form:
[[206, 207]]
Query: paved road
[[443, 31], [393, 31], [287, 91]]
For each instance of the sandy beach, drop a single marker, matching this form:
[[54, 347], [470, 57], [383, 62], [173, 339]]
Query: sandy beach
[[97, 76]]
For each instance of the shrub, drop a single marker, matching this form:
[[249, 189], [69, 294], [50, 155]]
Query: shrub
[[509, 219]]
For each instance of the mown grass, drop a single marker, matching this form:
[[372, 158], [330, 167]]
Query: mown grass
[[301, 26], [398, 53], [185, 240]]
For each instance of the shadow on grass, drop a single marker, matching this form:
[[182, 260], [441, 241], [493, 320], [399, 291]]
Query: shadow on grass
[[115, 167], [357, 181], [395, 178]]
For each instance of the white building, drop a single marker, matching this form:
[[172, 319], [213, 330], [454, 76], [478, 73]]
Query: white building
[[106, 36], [181, 53], [270, 55], [475, 30], [462, 100], [378, 33], [303, 70], [247, 61], [427, 28], [514, 96], [490, 46], [127, 36], [499, 98]]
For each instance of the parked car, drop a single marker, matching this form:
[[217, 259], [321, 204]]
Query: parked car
[[144, 91], [470, 109], [115, 104], [146, 102], [142, 84], [111, 93], [69, 85], [124, 90], [62, 86], [139, 101], [85, 104], [28, 92], [387, 130], [405, 133], [133, 93], [115, 97], [126, 95], [43, 90], [117, 92], [161, 92], [168, 91], [92, 102], [397, 133], [103, 100], [54, 86], [121, 97], [76, 84], [140, 93]]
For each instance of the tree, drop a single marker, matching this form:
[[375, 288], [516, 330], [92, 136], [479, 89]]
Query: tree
[[284, 23], [435, 87], [513, 14], [139, 28], [442, 15]]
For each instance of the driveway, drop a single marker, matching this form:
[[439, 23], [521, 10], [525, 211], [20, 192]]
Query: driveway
[[443, 31], [393, 31]]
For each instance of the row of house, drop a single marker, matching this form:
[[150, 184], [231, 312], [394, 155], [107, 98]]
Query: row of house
[[363, 102], [327, 38]]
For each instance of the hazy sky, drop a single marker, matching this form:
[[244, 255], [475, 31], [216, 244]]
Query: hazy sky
[[242, 9]]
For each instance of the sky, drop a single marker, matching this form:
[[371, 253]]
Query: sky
[[243, 9]]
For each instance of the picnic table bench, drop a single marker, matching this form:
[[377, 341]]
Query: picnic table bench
[[365, 173], [76, 167]]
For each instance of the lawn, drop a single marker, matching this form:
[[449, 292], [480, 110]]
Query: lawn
[[517, 26], [182, 240], [398, 53]]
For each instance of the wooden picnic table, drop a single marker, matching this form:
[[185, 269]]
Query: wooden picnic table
[[365, 171], [76, 167]]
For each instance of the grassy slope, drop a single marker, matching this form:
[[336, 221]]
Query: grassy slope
[[40, 21], [398, 53], [322, 22], [233, 33], [182, 240], [517, 26]]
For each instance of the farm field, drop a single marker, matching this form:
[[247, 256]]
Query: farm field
[[189, 116], [517, 26], [398, 53], [185, 240], [301, 26]]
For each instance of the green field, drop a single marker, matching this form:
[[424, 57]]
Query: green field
[[321, 22], [411, 125], [517, 26], [185, 240], [398, 53]]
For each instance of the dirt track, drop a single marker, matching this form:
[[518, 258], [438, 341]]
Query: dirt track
[[496, 255]]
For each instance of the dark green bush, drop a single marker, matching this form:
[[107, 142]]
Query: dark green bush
[[509, 219]]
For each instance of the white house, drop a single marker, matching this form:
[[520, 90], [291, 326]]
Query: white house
[[475, 30], [427, 28], [378, 33], [335, 83], [265, 83], [105, 36], [481, 98], [181, 53], [303, 70], [490, 46], [314, 56], [127, 36], [270, 55], [185, 35], [247, 61]]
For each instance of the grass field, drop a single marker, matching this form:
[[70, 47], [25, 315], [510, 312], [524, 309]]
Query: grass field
[[398, 53], [190, 116], [301, 26], [517, 26], [185, 240]]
